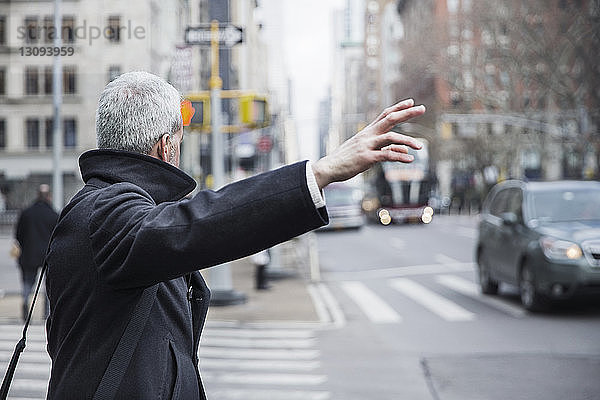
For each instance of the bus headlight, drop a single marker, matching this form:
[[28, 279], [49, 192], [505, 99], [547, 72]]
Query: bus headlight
[[384, 216]]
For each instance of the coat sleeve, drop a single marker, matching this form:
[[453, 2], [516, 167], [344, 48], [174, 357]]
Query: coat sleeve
[[137, 243]]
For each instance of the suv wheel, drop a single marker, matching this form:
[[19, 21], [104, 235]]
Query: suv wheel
[[488, 285], [531, 299]]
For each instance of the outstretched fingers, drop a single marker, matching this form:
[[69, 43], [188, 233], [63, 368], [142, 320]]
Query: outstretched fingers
[[396, 107], [395, 153], [397, 142], [394, 118]]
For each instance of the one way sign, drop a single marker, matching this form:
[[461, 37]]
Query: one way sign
[[229, 35]]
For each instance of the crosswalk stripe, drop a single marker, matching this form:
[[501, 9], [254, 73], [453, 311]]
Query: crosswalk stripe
[[32, 345], [257, 354], [258, 333], [372, 305], [258, 343], [232, 361], [32, 356], [432, 301], [248, 378], [276, 365], [471, 289], [250, 394], [29, 386], [29, 369]]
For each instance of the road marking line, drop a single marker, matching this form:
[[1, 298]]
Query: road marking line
[[29, 385], [319, 304], [372, 305], [277, 365], [432, 301], [337, 316], [30, 368], [259, 343], [249, 394], [32, 357], [9, 345], [243, 378], [257, 354], [472, 290], [444, 259], [258, 333], [412, 270]]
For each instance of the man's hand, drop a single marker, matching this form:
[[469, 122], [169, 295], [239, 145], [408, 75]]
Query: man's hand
[[373, 144]]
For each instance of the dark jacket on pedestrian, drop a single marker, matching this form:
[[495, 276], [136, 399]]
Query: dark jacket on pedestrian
[[34, 228], [128, 229]]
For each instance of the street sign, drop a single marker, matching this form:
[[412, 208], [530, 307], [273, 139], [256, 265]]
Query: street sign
[[228, 35]]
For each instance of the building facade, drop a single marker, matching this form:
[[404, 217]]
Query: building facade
[[510, 85], [100, 41]]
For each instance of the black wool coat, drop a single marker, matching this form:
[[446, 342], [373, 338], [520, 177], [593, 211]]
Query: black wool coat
[[128, 229], [34, 228]]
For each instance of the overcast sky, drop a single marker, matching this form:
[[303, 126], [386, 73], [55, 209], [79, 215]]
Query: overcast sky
[[308, 48]]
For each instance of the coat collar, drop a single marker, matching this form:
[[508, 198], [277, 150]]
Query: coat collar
[[162, 181]]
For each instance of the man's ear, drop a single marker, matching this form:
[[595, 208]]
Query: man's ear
[[163, 147]]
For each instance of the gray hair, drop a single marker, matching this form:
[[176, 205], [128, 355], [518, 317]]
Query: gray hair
[[135, 110]]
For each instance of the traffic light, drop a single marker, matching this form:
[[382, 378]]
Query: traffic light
[[201, 105], [254, 111]]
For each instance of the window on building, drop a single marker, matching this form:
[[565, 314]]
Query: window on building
[[48, 33], [69, 79], [32, 130], [2, 81], [32, 31], [114, 29], [70, 132], [2, 30], [48, 74], [49, 132], [113, 72], [31, 80], [2, 134], [68, 29]]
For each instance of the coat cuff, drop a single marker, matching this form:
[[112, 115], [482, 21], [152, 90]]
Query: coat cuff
[[313, 188]]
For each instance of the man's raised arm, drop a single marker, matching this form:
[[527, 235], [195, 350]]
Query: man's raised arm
[[373, 144]]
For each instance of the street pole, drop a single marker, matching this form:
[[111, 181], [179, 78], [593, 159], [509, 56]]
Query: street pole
[[222, 292], [57, 142]]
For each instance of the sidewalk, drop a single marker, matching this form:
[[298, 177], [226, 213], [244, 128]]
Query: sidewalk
[[288, 299]]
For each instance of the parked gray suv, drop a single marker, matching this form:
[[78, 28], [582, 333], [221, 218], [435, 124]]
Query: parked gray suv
[[543, 237]]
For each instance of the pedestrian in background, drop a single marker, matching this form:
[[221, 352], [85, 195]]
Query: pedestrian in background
[[34, 228], [261, 260], [127, 301]]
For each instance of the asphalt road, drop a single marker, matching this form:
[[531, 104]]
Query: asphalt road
[[413, 324]]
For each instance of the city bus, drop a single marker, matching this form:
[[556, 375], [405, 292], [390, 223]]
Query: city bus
[[399, 192]]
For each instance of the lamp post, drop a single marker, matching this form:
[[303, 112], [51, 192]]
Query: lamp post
[[57, 142], [219, 276]]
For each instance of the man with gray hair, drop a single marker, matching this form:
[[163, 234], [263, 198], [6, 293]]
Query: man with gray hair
[[127, 301]]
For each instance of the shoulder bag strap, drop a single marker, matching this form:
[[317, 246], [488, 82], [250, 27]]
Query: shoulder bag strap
[[10, 371], [119, 362]]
